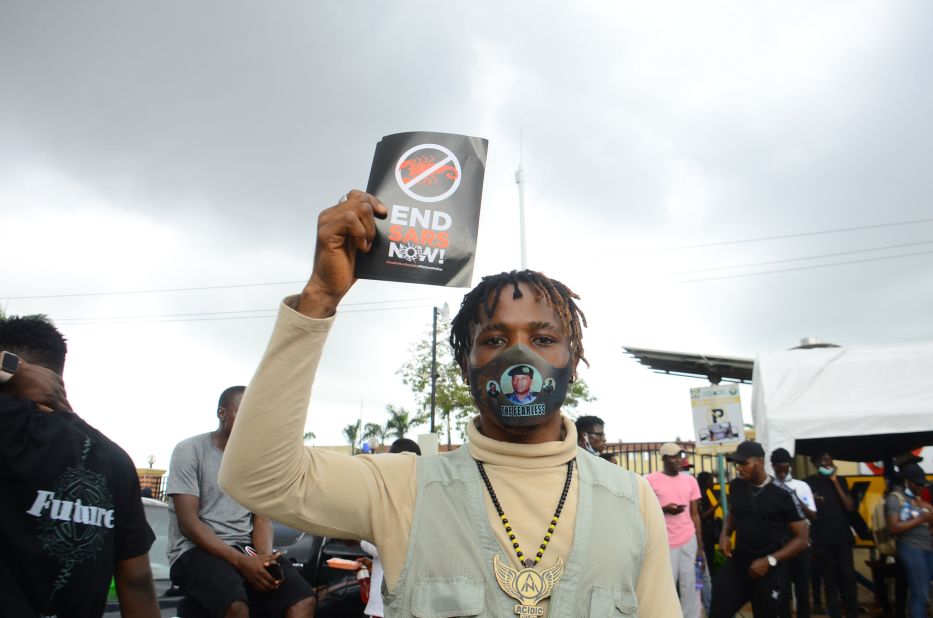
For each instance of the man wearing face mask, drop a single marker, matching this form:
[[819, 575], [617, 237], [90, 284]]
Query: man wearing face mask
[[515, 521], [832, 539]]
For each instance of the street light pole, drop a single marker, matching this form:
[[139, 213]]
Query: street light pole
[[444, 312], [433, 367]]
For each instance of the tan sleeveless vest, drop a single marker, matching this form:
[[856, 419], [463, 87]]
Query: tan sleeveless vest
[[449, 568]]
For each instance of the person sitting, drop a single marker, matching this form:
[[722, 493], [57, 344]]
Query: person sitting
[[220, 554]]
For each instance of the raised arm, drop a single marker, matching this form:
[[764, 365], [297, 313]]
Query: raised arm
[[266, 466], [341, 231]]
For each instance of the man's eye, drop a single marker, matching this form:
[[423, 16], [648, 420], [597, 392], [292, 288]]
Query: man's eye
[[493, 341], [544, 340]]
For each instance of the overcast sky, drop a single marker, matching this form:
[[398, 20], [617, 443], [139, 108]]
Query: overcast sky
[[169, 145]]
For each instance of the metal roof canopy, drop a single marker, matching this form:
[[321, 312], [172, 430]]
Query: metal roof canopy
[[713, 368]]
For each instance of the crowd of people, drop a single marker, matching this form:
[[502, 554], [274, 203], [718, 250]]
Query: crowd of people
[[527, 518]]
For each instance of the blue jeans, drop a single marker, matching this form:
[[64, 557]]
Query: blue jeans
[[918, 566]]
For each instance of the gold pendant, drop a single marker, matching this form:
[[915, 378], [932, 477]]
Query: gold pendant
[[527, 586]]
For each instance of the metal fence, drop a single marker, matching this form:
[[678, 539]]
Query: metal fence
[[153, 485], [643, 458]]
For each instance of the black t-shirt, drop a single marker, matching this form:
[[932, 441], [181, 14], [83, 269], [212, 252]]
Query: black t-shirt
[[832, 519], [70, 510], [760, 518]]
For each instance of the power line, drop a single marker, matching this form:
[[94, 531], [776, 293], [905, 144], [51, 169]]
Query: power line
[[798, 259], [659, 250], [812, 267], [784, 236], [161, 291], [271, 311], [201, 317]]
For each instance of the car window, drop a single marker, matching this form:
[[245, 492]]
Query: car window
[[158, 521]]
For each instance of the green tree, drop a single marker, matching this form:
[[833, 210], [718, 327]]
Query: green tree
[[309, 435], [579, 392], [401, 421], [375, 430], [452, 396], [352, 434]]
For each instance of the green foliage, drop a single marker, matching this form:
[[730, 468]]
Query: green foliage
[[452, 396], [579, 392], [401, 421], [309, 435], [375, 430], [352, 434]]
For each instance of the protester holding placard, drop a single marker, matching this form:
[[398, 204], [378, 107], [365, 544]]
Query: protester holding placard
[[457, 532]]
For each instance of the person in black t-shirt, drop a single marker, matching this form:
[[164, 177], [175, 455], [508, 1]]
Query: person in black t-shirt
[[71, 516], [832, 538], [769, 529]]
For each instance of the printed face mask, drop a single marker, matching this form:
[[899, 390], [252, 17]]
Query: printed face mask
[[909, 492], [827, 471], [518, 387]]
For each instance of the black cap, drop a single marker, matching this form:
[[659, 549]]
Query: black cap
[[914, 473], [521, 370], [747, 449], [780, 455]]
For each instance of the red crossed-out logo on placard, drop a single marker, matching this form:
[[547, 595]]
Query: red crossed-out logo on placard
[[428, 173]]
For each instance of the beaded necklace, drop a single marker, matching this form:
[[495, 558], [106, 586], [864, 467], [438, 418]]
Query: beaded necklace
[[527, 563]]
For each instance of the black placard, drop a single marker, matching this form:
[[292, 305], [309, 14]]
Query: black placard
[[432, 184]]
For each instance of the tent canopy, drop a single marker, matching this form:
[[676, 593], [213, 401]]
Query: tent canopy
[[861, 403]]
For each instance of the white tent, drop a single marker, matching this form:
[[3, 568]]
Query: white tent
[[861, 403]]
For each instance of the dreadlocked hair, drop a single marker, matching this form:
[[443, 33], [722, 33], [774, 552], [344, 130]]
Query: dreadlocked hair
[[485, 297]]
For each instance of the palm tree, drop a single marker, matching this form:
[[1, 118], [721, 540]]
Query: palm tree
[[375, 430], [401, 421], [352, 434]]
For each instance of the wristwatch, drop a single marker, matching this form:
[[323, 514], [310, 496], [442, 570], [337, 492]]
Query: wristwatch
[[772, 561], [9, 364]]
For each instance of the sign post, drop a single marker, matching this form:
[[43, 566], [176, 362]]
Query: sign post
[[717, 421]]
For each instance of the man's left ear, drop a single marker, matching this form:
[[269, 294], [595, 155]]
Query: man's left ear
[[221, 412]]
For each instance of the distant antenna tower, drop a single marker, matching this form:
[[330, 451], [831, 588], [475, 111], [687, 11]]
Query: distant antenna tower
[[520, 181]]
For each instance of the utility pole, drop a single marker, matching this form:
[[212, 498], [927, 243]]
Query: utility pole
[[444, 312], [433, 365], [520, 181]]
